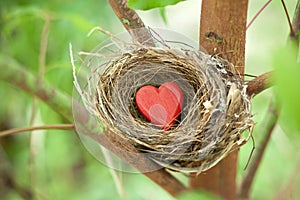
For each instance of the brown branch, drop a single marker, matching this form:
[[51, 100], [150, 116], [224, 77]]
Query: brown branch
[[227, 21], [35, 128], [292, 31], [296, 23], [128, 17], [126, 152], [130, 155], [131, 21], [257, 14], [267, 130], [259, 84]]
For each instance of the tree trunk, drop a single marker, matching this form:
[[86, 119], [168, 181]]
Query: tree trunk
[[223, 32]]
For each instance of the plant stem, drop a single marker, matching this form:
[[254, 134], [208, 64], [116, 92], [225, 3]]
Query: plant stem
[[267, 130], [258, 13], [34, 128]]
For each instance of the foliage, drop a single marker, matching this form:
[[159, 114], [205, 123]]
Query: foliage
[[61, 167], [150, 4], [288, 82], [196, 195]]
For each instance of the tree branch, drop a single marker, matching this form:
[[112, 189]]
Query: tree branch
[[17, 75], [128, 153], [34, 128], [131, 21], [296, 23], [259, 84], [267, 130], [128, 17]]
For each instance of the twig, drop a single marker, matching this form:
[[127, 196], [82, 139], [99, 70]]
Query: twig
[[118, 181], [257, 14], [34, 128], [259, 84], [267, 130], [292, 32], [296, 23]]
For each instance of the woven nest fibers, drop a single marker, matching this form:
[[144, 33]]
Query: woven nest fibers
[[215, 111]]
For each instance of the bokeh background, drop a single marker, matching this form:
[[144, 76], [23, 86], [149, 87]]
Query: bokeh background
[[54, 164]]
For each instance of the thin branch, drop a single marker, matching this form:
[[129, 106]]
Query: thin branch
[[267, 130], [43, 45], [17, 75], [259, 84], [292, 32], [34, 128], [296, 23], [118, 181], [257, 14]]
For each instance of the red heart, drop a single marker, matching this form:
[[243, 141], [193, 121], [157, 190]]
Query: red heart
[[161, 106]]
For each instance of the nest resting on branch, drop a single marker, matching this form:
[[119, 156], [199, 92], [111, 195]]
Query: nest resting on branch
[[215, 113]]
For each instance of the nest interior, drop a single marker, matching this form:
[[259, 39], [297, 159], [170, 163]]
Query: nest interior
[[215, 113]]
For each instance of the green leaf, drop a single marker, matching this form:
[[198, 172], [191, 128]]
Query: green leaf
[[147, 4], [162, 12], [196, 195], [287, 81]]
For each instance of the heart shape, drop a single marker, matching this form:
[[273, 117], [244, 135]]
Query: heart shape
[[161, 106]]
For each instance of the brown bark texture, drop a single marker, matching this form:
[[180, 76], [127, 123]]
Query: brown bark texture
[[223, 32]]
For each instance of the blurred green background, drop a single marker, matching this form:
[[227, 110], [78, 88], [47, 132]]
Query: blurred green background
[[62, 168]]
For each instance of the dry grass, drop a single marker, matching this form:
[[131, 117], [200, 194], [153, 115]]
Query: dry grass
[[215, 113]]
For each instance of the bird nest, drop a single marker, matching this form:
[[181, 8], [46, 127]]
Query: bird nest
[[215, 110]]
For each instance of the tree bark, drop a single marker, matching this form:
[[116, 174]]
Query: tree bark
[[223, 32]]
